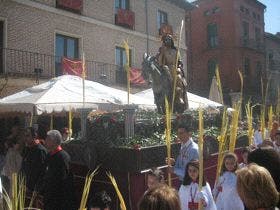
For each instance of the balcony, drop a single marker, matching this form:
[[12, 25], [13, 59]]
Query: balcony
[[20, 63], [252, 44], [70, 5], [125, 18]]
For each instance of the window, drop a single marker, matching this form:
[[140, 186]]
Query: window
[[245, 35], [121, 4], [212, 65], [258, 74], [254, 15], [161, 18], [121, 56], [121, 76], [241, 8], [258, 17], [246, 66], [258, 71], [216, 10], [65, 46], [270, 60], [207, 13], [258, 35], [247, 11], [212, 32]]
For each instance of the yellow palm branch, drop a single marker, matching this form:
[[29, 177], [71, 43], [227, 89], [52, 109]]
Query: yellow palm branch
[[168, 134], [122, 203], [86, 189]]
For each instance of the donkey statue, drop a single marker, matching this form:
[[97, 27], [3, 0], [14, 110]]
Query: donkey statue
[[161, 81]]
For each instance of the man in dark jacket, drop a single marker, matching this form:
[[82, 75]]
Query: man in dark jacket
[[58, 187], [33, 160]]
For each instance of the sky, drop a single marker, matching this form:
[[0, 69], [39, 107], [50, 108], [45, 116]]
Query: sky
[[272, 15]]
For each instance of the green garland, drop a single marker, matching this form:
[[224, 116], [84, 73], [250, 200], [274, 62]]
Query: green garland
[[108, 129]]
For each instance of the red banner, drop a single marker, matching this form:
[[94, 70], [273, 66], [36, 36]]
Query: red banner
[[125, 17], [136, 77], [72, 67], [71, 4]]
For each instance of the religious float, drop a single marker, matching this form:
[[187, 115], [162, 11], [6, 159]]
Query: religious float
[[129, 158]]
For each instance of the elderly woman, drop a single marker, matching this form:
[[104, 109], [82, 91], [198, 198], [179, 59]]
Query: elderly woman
[[256, 188]]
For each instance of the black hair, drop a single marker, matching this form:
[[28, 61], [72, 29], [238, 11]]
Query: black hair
[[185, 127], [32, 131], [168, 36], [268, 158], [100, 200], [187, 179]]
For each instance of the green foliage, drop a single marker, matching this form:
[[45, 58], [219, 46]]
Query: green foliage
[[141, 141], [108, 129]]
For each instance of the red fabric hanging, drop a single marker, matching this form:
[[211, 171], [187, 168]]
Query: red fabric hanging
[[136, 77], [126, 17], [71, 4], [72, 67]]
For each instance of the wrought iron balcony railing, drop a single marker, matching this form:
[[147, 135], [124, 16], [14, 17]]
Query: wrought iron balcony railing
[[29, 64]]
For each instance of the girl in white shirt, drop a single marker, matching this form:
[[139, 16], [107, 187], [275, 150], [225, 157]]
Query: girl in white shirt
[[225, 192], [189, 193]]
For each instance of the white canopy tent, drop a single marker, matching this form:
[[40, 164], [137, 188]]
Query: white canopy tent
[[214, 93], [195, 101], [66, 92]]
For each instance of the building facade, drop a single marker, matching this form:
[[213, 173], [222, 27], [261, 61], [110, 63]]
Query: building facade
[[272, 43], [36, 34], [228, 34]]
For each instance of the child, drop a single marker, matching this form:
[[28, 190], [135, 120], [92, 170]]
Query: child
[[244, 152], [100, 201], [224, 191], [155, 177], [189, 193]]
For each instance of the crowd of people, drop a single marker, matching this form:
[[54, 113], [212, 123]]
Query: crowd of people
[[44, 165], [253, 183]]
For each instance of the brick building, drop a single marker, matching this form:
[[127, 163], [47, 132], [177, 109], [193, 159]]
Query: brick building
[[35, 34], [272, 44], [230, 34]]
